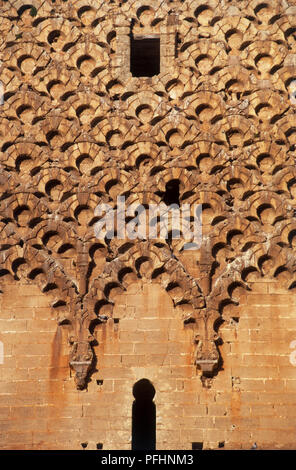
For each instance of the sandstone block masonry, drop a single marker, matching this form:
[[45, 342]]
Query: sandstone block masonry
[[158, 102]]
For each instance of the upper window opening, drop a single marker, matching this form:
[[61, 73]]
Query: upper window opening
[[172, 193], [145, 56]]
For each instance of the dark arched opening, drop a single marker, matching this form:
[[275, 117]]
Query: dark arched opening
[[172, 193], [143, 416]]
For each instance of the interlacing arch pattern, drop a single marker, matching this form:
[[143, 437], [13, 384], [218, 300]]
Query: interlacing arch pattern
[[74, 133]]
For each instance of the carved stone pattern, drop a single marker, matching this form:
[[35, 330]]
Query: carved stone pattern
[[75, 132]]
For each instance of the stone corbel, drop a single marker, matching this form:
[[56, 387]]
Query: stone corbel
[[81, 355], [207, 355]]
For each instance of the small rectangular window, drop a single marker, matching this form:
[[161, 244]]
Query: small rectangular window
[[197, 445], [145, 56]]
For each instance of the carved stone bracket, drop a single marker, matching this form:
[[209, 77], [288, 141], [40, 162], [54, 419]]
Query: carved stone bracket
[[81, 358], [81, 355], [207, 356]]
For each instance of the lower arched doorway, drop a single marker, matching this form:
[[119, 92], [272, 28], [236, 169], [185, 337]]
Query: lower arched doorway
[[143, 416]]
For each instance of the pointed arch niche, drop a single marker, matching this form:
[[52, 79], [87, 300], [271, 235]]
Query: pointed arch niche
[[147, 331], [147, 338], [154, 312]]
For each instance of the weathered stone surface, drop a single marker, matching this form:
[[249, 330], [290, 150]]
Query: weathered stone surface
[[211, 328]]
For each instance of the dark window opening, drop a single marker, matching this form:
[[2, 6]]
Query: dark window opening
[[172, 193], [143, 416], [99, 446], [145, 57], [197, 445]]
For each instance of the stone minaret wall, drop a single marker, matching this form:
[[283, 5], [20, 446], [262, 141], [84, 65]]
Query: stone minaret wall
[[82, 318]]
